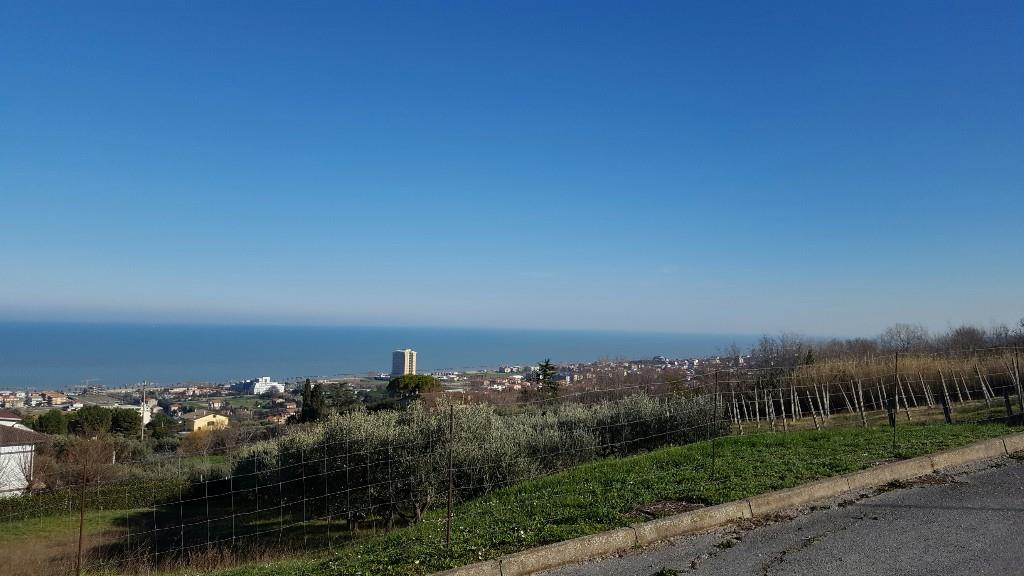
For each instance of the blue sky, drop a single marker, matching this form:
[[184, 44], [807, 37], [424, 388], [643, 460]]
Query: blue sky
[[822, 167]]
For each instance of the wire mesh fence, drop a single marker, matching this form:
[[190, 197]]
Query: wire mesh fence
[[360, 476]]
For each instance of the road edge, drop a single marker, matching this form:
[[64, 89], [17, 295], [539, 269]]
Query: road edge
[[624, 539]]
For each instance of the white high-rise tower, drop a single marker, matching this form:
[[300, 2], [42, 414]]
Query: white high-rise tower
[[403, 362]]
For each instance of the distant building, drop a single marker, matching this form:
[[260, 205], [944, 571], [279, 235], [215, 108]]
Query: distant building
[[55, 398], [10, 400], [279, 418], [98, 400], [194, 421], [261, 385], [403, 362]]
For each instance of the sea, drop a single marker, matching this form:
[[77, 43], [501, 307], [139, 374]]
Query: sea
[[64, 355]]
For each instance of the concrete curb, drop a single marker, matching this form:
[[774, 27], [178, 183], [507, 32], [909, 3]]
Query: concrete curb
[[623, 539]]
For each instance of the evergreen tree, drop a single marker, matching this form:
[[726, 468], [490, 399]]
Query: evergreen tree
[[92, 420], [314, 406], [161, 426], [546, 378], [52, 422], [126, 421], [409, 385], [344, 400]]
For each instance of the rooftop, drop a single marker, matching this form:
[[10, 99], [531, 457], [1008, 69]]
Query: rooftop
[[9, 415], [97, 399], [11, 436]]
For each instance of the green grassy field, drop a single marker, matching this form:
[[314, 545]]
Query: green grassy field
[[606, 494]]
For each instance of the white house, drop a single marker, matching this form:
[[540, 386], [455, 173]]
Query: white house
[[260, 385], [11, 418], [17, 454]]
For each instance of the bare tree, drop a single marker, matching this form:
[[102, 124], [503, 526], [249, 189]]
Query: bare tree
[[904, 338], [88, 462], [964, 338], [783, 351]]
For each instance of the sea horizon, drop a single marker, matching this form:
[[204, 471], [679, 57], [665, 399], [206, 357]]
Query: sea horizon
[[60, 355]]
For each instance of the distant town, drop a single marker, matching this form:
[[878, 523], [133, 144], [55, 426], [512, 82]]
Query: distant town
[[265, 400]]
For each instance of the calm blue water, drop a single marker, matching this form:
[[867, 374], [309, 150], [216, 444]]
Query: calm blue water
[[38, 355]]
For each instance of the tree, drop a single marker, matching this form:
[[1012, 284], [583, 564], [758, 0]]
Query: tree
[[344, 400], [314, 406], [91, 421], [965, 338], [161, 426], [52, 422], [125, 421], [409, 385], [809, 359], [546, 378], [904, 338], [783, 351]]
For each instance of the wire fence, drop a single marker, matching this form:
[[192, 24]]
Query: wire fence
[[357, 476]]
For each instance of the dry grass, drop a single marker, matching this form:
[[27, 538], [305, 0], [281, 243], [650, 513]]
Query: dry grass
[[48, 545]]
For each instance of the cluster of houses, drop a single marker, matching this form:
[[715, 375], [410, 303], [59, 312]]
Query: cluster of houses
[[515, 377], [22, 399], [18, 442]]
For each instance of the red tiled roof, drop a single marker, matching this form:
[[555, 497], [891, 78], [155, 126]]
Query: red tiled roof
[[11, 436], [9, 415]]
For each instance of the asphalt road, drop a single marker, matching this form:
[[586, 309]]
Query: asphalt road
[[969, 521]]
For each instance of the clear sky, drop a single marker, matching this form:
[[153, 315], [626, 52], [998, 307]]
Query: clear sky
[[822, 167]]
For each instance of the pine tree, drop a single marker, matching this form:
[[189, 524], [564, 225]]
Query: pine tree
[[546, 378]]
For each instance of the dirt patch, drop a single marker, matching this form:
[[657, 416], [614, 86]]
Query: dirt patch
[[665, 508], [933, 480], [926, 480]]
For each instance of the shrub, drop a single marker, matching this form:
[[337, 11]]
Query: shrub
[[393, 465]]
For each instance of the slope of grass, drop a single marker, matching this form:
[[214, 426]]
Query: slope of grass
[[602, 495], [47, 544]]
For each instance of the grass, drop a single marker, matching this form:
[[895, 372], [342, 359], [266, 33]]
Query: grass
[[49, 527], [47, 544], [601, 495]]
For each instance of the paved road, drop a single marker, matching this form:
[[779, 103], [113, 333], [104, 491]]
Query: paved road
[[965, 522]]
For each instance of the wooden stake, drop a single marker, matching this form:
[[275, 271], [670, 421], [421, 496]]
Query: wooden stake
[[814, 414], [782, 405], [860, 394]]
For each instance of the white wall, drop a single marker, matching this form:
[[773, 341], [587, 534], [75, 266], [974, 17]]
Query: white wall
[[15, 461]]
